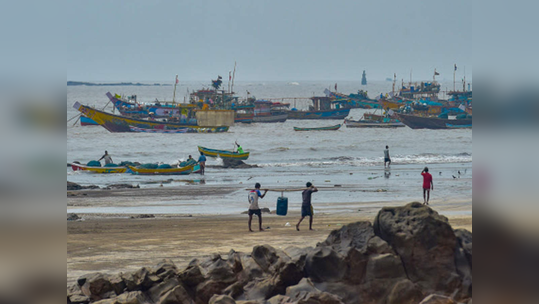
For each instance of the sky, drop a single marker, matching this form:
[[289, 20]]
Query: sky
[[269, 40]]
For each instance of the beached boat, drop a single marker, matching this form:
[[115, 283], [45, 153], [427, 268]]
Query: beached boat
[[330, 128], [116, 123], [372, 124], [80, 167], [420, 122], [162, 171], [85, 121], [223, 153]]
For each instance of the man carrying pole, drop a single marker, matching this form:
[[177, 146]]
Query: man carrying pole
[[253, 206], [306, 206]]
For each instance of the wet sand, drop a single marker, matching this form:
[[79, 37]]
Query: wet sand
[[109, 243]]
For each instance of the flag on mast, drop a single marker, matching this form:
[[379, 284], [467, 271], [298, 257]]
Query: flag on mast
[[455, 66], [177, 79], [436, 73]]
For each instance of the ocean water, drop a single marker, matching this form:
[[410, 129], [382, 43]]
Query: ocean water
[[349, 157]]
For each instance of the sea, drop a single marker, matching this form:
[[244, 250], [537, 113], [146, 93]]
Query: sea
[[346, 164]]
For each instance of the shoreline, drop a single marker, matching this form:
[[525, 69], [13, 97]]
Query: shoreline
[[110, 243]]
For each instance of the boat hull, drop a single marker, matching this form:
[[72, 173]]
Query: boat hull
[[116, 123], [330, 128], [223, 153], [271, 118], [323, 114], [373, 124], [101, 170], [168, 171], [85, 121], [419, 122]]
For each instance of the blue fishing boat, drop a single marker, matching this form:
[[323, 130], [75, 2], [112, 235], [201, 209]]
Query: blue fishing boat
[[324, 107]]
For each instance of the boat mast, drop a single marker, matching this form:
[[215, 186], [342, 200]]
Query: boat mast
[[394, 81], [454, 72], [464, 82], [233, 77], [174, 94]]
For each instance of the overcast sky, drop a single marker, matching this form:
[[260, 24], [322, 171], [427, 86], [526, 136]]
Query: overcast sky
[[269, 40]]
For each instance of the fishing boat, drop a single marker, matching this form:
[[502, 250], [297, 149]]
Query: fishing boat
[[323, 107], [157, 130], [80, 167], [162, 171], [223, 153], [372, 124], [268, 111], [116, 123], [85, 121], [421, 122], [330, 128]]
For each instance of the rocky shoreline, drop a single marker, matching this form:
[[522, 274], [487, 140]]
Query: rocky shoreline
[[409, 255]]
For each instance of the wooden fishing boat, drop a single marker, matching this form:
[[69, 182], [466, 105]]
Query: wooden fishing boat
[[322, 108], [330, 128], [420, 122], [162, 171], [268, 111], [223, 153], [142, 130], [372, 124], [80, 167], [116, 123]]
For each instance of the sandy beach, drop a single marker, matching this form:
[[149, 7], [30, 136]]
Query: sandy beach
[[113, 243]]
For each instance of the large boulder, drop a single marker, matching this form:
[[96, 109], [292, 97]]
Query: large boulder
[[324, 264], [354, 235], [96, 286], [425, 243], [437, 299], [236, 164], [73, 186], [222, 299]]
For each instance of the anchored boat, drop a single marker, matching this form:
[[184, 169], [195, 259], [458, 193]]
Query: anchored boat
[[330, 128], [162, 171]]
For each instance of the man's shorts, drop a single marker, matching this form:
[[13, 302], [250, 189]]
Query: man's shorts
[[386, 160], [306, 211], [255, 211]]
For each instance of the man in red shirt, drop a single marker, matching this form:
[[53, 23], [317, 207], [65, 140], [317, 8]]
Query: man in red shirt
[[427, 185]]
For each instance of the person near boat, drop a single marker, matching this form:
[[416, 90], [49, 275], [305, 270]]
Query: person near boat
[[387, 159], [239, 149], [106, 156], [427, 185], [253, 206], [202, 162], [306, 206]]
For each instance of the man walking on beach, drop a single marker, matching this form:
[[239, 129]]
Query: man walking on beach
[[386, 157], [253, 206], [306, 206], [427, 185], [108, 159], [202, 162]]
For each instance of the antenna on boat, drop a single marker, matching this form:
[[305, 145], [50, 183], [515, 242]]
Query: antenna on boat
[[174, 94]]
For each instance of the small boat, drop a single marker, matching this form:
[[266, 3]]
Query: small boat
[[330, 128], [372, 124], [79, 167], [162, 171], [223, 153]]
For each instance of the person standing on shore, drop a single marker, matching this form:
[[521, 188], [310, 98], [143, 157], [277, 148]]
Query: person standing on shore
[[108, 159], [306, 206], [427, 185], [202, 162], [387, 159], [253, 206]]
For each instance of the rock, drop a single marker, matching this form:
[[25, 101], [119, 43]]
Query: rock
[[91, 187], [304, 286], [177, 295], [142, 216], [268, 258], [207, 289], [384, 266], [73, 186], [192, 276], [165, 269], [355, 235], [236, 164], [133, 297], [437, 299], [79, 299], [221, 299], [324, 264], [72, 217], [121, 186], [96, 286], [157, 291], [425, 243], [464, 238], [306, 293], [405, 292]]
